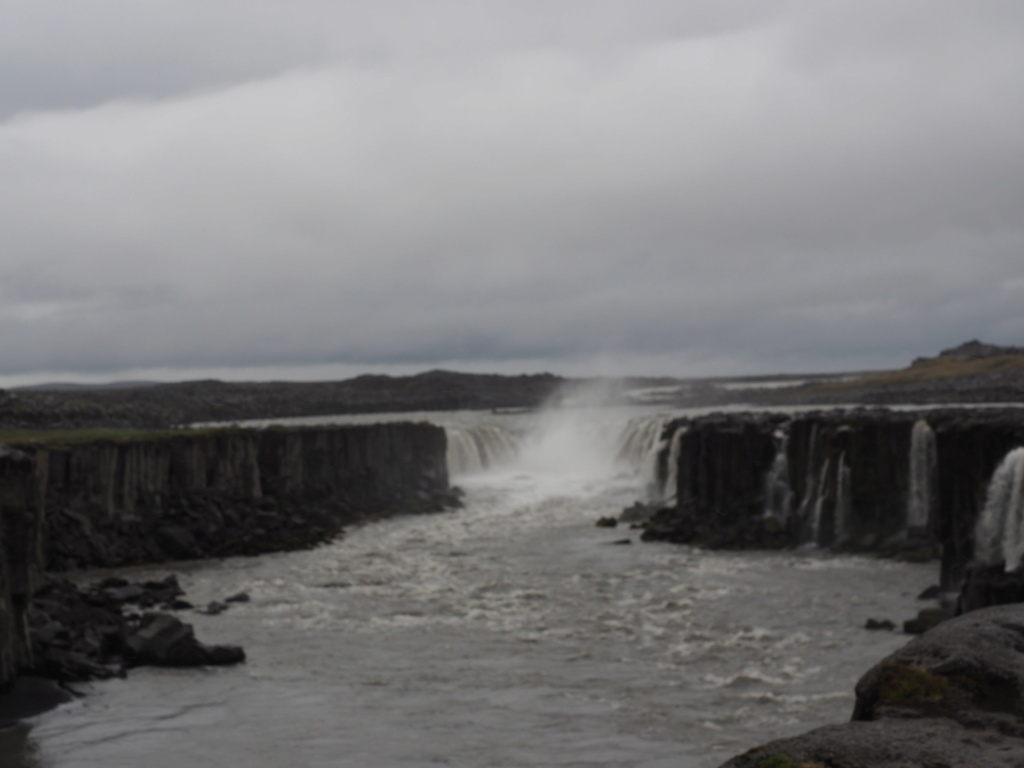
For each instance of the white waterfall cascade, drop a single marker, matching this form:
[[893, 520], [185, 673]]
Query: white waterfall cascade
[[478, 448], [669, 490], [640, 444], [809, 503], [819, 502], [923, 476], [844, 501], [778, 496], [999, 533]]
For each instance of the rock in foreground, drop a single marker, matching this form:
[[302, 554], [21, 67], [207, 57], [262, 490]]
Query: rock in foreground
[[951, 697]]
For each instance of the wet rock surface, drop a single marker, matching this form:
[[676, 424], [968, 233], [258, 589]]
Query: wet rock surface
[[97, 631], [952, 697], [109, 503]]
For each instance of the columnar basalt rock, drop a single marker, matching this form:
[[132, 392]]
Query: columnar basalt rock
[[21, 559], [844, 482], [193, 494]]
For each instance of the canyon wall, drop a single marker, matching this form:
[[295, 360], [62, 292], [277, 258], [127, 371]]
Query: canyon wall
[[198, 494], [908, 483]]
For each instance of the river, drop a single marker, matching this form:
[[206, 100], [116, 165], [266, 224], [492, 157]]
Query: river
[[512, 632]]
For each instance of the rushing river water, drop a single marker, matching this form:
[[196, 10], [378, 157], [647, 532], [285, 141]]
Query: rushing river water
[[512, 632]]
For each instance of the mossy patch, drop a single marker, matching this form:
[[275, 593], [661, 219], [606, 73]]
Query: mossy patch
[[904, 685]]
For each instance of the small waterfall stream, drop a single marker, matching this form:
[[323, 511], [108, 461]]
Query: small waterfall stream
[[643, 444], [481, 447], [844, 501], [999, 533], [923, 479], [778, 496]]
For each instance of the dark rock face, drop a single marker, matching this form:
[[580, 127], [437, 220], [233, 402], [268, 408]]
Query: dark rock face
[[21, 560], [95, 632], [839, 479], [754, 480], [193, 495], [970, 447], [953, 696], [986, 586], [233, 492], [720, 491]]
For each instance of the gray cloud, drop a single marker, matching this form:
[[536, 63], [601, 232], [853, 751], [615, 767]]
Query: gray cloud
[[718, 188]]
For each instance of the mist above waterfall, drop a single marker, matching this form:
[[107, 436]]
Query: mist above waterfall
[[583, 432], [576, 433]]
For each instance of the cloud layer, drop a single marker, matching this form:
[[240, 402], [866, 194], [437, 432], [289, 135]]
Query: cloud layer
[[553, 185]]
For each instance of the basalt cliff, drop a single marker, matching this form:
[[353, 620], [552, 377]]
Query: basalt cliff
[[151, 497]]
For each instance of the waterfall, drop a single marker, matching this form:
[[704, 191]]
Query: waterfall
[[810, 503], [641, 445], [778, 496], [670, 488], [844, 501], [817, 499], [641, 437], [923, 478], [999, 534], [478, 448]]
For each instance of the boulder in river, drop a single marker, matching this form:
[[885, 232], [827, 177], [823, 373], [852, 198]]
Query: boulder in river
[[166, 641]]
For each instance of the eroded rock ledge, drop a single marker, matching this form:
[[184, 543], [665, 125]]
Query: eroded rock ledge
[[73, 502], [951, 697]]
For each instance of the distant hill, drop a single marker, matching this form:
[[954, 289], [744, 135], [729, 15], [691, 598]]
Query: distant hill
[[154, 405], [973, 372]]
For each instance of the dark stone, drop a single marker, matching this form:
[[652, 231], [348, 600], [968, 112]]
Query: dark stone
[[163, 640], [989, 585], [241, 597], [606, 522], [931, 593], [879, 624], [925, 620], [28, 697], [638, 513], [125, 594], [671, 524], [178, 542]]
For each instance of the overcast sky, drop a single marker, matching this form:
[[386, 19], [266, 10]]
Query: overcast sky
[[313, 189]]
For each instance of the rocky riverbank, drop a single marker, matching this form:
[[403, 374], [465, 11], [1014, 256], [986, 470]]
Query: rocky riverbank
[[98, 631], [68, 502], [951, 697]]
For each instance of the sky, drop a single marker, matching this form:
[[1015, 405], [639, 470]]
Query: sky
[[254, 189]]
